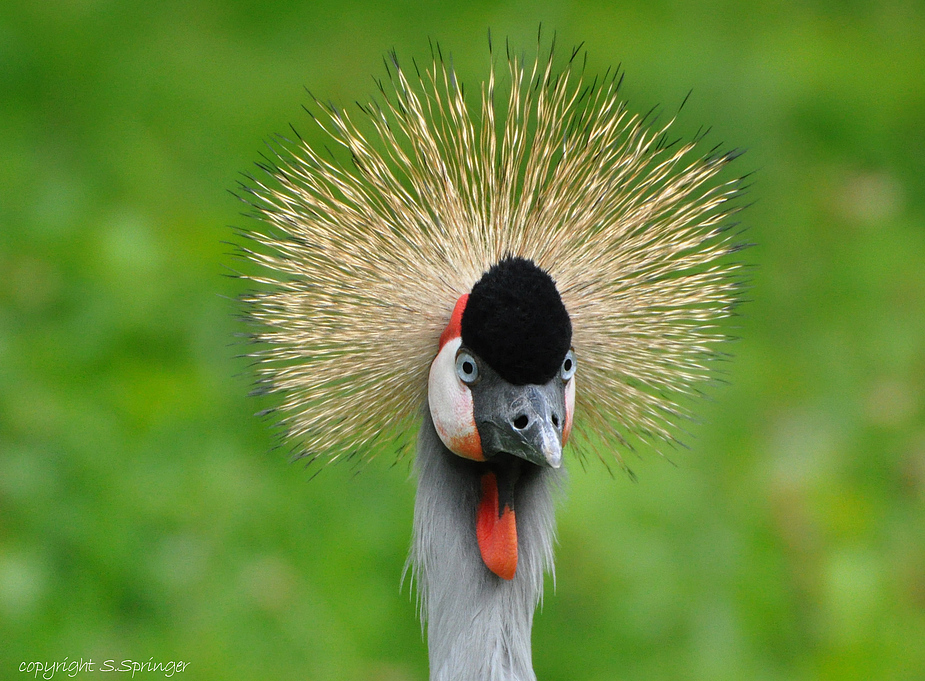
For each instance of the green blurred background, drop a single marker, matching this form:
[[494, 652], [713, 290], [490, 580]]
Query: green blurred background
[[142, 513]]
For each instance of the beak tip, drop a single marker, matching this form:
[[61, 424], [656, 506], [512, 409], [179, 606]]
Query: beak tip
[[553, 456]]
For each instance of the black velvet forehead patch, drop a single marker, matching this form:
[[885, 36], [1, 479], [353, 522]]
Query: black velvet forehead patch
[[515, 320]]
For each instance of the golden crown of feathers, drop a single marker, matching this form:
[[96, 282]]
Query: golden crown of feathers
[[364, 259]]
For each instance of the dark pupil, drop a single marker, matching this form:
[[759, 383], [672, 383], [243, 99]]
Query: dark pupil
[[568, 365], [467, 367]]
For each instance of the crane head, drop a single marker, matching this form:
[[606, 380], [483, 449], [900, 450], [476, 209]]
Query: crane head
[[501, 391], [546, 208]]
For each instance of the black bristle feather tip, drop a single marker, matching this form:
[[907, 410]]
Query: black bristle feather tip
[[516, 322]]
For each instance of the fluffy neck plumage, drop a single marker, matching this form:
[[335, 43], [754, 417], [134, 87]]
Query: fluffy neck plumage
[[478, 625]]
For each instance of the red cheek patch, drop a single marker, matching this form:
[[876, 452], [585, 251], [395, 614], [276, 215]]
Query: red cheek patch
[[454, 327], [569, 410], [468, 446], [496, 532], [450, 402]]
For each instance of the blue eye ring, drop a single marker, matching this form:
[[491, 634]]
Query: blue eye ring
[[567, 370], [467, 368]]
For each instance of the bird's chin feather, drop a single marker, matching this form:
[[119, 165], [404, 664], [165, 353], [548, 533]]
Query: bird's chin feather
[[477, 621]]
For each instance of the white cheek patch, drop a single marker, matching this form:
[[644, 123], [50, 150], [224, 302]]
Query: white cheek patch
[[569, 409], [450, 402]]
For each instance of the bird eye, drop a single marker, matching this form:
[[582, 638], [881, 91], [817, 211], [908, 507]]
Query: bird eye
[[568, 366], [467, 368]]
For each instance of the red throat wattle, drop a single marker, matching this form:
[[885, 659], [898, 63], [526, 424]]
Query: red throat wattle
[[496, 531]]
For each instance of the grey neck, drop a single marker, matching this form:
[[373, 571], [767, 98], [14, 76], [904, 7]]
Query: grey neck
[[478, 625]]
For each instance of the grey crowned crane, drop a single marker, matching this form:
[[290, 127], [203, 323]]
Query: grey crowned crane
[[538, 269]]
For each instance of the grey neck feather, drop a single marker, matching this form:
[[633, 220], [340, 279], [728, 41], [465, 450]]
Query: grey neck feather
[[478, 625]]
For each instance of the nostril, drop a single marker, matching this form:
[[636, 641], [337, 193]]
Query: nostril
[[555, 420], [521, 422]]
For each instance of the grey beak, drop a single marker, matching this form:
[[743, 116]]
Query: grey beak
[[523, 420]]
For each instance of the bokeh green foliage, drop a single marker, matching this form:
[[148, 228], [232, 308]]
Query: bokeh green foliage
[[140, 512]]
